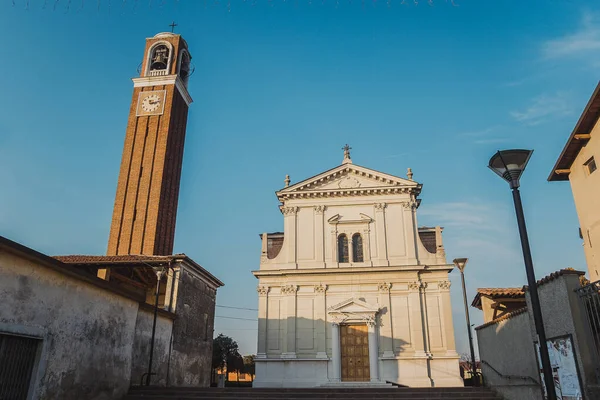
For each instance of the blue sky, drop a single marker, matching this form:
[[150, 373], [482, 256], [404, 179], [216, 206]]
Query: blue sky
[[279, 88]]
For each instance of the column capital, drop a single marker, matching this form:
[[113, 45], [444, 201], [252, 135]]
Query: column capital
[[384, 287], [262, 290], [371, 321], [319, 210], [290, 210], [320, 288], [380, 206], [444, 285], [289, 289], [416, 285], [410, 205]]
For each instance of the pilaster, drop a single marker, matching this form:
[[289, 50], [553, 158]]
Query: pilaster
[[289, 331], [320, 316], [373, 352], [263, 292], [319, 234], [411, 232], [382, 255], [385, 329], [336, 354], [290, 233], [447, 324], [416, 317]]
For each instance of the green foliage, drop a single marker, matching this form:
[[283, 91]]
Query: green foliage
[[226, 354], [249, 366]]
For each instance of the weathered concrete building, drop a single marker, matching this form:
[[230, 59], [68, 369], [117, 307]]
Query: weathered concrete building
[[85, 338]]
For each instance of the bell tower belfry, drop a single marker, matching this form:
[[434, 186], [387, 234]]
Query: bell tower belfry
[[145, 210]]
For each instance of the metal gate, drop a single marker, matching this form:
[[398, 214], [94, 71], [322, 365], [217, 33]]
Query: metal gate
[[590, 297], [17, 359]]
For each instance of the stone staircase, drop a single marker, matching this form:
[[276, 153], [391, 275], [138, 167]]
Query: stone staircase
[[400, 393]]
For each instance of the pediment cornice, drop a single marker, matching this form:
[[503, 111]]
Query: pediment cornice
[[349, 180]]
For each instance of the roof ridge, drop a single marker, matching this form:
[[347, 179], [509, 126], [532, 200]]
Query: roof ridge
[[503, 318]]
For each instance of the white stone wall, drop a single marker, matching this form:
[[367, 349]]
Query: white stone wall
[[407, 284]]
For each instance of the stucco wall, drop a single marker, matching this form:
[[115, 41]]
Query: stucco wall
[[586, 192], [506, 348], [87, 332], [191, 356], [564, 315], [141, 348]]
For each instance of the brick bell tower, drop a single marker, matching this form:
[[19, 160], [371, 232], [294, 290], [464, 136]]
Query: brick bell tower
[[145, 209]]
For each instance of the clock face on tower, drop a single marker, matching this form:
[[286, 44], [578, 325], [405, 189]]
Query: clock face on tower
[[151, 103]]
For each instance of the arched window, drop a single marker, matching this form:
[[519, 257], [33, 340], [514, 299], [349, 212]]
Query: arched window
[[160, 58], [357, 248], [184, 66], [343, 256]]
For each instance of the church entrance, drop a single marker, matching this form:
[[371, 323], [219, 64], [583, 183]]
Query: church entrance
[[355, 353]]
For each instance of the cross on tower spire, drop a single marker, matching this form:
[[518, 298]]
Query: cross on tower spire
[[347, 159], [173, 25]]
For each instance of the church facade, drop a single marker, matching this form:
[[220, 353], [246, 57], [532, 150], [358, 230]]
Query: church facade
[[352, 290]]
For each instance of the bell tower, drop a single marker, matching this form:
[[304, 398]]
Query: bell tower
[[145, 210]]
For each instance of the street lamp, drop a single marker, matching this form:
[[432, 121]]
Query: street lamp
[[509, 165], [460, 264]]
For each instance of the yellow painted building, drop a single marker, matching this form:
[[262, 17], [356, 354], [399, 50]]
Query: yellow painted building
[[578, 164]]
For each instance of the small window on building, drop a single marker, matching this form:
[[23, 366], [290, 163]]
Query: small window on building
[[357, 248], [343, 249], [590, 165]]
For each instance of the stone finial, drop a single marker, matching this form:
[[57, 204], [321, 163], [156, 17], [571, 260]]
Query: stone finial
[[347, 159], [287, 180], [409, 173]]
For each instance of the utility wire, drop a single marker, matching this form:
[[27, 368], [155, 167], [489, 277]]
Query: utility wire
[[245, 319], [239, 308]]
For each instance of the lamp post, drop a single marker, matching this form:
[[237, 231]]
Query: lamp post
[[460, 264], [509, 165]]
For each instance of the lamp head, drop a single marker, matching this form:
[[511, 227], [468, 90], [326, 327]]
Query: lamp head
[[510, 164], [460, 263]]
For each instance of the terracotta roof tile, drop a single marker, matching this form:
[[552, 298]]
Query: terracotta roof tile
[[502, 318], [497, 293], [87, 259], [554, 275], [502, 292]]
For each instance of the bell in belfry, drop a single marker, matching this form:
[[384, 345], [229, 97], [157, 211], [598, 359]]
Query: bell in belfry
[[160, 58]]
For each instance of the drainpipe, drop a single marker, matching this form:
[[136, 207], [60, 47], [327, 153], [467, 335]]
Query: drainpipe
[[159, 274]]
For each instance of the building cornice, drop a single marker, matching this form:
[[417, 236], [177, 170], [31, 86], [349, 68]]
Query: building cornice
[[351, 270], [146, 81]]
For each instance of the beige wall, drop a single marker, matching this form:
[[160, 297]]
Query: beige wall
[[586, 192], [508, 360], [506, 347]]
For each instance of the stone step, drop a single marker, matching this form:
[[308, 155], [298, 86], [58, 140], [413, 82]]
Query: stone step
[[156, 393]]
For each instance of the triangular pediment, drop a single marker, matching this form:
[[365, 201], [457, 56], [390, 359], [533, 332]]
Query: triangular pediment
[[350, 178], [353, 306]]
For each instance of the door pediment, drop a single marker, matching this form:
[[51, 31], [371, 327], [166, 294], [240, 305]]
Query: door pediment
[[353, 310]]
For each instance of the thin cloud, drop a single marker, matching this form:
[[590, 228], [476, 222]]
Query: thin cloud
[[463, 215], [485, 136], [473, 227], [584, 40], [544, 108]]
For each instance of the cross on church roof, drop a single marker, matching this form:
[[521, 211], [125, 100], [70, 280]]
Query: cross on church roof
[[173, 25], [347, 159]]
